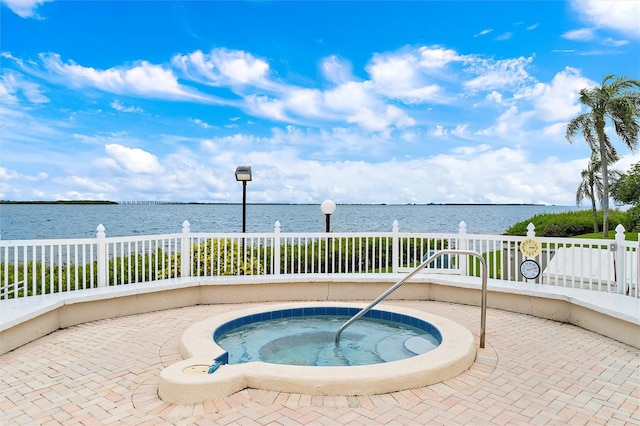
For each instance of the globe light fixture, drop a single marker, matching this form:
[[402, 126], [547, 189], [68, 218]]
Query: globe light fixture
[[328, 207]]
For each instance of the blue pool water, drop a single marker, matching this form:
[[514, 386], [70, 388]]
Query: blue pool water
[[306, 336]]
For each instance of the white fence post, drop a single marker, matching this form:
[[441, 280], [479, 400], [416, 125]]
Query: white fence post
[[395, 250], [102, 256], [463, 243], [531, 230], [276, 248], [185, 250], [619, 256]]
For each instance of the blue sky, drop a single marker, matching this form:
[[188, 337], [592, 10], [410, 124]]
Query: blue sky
[[358, 102]]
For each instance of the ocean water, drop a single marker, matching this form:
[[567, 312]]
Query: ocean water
[[46, 221]]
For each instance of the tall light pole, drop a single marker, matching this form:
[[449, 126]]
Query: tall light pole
[[328, 207], [243, 174]]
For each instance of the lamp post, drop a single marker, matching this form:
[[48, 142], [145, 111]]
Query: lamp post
[[328, 207], [243, 174]]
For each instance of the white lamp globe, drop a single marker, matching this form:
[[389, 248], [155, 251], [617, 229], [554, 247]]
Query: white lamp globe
[[328, 207]]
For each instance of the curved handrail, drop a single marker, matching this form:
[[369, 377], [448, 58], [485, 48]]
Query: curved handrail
[[483, 303]]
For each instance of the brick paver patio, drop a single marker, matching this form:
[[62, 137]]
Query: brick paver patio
[[533, 371]]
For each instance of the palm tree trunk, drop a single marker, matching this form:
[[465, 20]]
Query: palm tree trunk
[[605, 182], [594, 210]]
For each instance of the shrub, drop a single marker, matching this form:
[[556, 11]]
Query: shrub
[[631, 221], [38, 278], [216, 257], [135, 268], [567, 224]]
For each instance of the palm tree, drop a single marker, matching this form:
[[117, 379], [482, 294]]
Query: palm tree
[[617, 101], [591, 185]]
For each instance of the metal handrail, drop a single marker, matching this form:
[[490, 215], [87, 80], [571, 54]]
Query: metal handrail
[[483, 303]]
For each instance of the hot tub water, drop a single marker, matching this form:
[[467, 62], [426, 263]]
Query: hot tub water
[[310, 340]]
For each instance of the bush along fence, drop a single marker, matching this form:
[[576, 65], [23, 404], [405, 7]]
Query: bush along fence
[[40, 267]]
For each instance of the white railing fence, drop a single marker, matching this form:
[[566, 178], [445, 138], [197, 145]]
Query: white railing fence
[[40, 267]]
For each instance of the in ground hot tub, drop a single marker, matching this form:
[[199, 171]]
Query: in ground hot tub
[[306, 336], [440, 349]]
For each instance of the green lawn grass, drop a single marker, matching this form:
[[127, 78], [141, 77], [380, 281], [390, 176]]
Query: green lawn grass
[[629, 236]]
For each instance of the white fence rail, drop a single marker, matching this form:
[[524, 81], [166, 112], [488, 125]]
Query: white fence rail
[[40, 267]]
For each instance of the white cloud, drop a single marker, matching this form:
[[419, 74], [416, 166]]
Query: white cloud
[[408, 77], [439, 131], [7, 92], [435, 57], [263, 106], [143, 79], [558, 100], [24, 8], [201, 123], [496, 176], [223, 67], [381, 120], [495, 97], [219, 144], [11, 84], [6, 174], [134, 160], [84, 184], [349, 97], [614, 43], [583, 34], [19, 127], [479, 173], [473, 174], [502, 74], [398, 77], [306, 102], [483, 32], [509, 124], [336, 70], [622, 16], [16, 185], [76, 195], [556, 130], [118, 106], [460, 130], [472, 150], [249, 77], [10, 180]]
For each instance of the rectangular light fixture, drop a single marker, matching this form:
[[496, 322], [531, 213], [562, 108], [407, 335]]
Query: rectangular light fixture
[[243, 173]]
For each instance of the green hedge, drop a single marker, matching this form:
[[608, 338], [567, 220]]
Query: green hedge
[[567, 224], [632, 219]]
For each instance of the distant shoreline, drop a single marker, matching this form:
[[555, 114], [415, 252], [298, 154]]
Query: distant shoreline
[[58, 202], [100, 202]]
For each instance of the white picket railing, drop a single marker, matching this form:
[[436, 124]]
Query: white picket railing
[[37, 267]]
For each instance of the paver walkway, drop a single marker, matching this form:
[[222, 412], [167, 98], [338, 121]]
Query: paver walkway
[[533, 371]]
